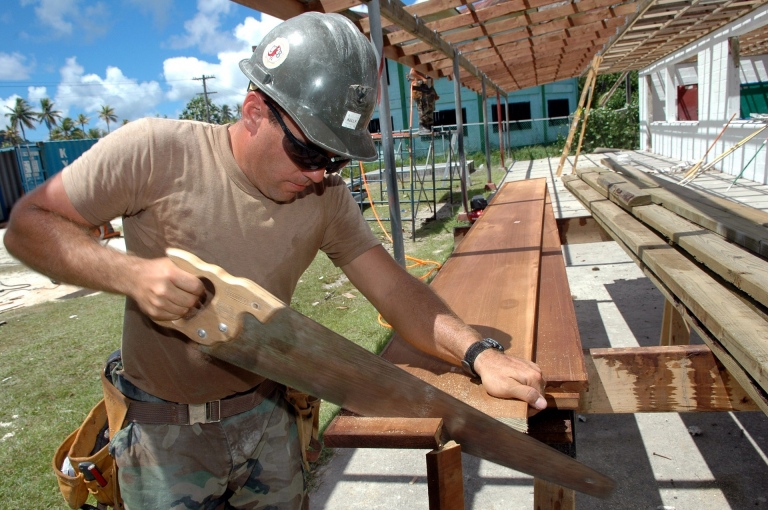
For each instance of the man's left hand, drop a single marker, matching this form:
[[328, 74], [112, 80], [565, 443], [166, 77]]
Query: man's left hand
[[506, 376]]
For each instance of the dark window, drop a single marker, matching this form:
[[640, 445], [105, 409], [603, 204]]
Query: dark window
[[448, 118], [518, 112], [374, 126], [688, 102], [557, 108]]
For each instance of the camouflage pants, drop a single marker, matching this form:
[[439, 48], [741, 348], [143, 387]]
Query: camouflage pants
[[248, 461]]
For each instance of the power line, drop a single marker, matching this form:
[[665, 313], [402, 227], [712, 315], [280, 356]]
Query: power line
[[205, 93]]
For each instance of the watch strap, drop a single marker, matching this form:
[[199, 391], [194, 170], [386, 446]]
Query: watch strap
[[474, 350]]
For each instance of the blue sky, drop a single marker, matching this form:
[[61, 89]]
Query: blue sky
[[137, 56]]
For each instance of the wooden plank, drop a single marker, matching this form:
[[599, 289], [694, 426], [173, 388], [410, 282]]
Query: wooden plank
[[622, 192], [491, 282], [660, 379], [365, 432], [744, 270], [558, 343], [742, 332], [736, 222], [445, 480], [548, 495]]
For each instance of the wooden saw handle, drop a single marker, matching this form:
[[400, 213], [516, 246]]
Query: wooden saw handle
[[219, 320]]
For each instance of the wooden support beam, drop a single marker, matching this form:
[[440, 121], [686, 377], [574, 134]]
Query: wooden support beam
[[364, 432], [660, 379], [445, 480], [547, 495], [674, 329]]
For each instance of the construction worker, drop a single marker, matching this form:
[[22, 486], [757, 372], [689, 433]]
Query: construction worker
[[259, 198], [423, 93]]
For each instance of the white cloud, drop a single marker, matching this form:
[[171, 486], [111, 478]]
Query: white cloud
[[159, 9], [54, 13], [230, 83], [204, 30], [89, 92], [35, 94], [67, 18], [12, 66]]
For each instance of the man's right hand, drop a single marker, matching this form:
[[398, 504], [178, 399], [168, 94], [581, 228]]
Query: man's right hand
[[165, 292]]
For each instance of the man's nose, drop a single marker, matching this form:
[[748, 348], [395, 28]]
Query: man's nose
[[315, 175]]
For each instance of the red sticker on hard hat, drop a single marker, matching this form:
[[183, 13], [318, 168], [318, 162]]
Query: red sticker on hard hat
[[275, 53]]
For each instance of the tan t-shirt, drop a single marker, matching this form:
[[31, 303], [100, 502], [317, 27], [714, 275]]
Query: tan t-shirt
[[176, 184]]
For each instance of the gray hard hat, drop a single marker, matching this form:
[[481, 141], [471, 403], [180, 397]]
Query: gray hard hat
[[323, 71]]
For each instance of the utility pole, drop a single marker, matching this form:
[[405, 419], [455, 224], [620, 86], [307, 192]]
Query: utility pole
[[205, 93]]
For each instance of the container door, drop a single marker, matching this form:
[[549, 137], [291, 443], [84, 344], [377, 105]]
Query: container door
[[30, 167]]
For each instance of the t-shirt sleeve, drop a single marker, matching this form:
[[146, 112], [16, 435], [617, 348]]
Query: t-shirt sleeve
[[348, 234], [109, 179]]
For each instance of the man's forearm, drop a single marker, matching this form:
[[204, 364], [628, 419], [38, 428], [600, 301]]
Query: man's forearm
[[65, 251]]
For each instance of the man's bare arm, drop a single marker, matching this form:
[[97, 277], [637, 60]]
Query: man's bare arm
[[49, 235], [424, 320]]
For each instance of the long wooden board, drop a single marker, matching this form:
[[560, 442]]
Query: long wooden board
[[736, 222], [735, 265], [491, 282], [558, 343], [244, 325]]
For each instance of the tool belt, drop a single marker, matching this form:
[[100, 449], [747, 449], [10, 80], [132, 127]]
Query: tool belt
[[307, 409], [94, 469]]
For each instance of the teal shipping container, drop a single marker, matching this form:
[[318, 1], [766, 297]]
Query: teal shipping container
[[56, 155]]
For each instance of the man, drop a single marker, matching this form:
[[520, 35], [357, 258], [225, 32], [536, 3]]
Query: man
[[423, 92], [258, 198]]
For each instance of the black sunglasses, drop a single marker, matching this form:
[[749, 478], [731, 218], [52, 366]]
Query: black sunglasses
[[307, 156]]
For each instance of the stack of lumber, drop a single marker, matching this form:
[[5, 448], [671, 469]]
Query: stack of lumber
[[706, 254]]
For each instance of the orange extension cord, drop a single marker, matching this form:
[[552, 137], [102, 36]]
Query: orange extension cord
[[436, 266]]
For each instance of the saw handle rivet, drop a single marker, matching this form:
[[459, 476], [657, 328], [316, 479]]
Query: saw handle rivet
[[201, 333], [223, 327], [255, 305]]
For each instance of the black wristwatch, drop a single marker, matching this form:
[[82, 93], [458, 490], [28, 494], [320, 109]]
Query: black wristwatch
[[474, 351]]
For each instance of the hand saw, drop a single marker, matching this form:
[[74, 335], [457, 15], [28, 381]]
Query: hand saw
[[243, 324]]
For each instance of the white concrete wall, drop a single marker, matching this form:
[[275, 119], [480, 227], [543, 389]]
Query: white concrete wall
[[718, 78]]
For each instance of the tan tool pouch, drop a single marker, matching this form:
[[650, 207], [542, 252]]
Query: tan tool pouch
[[78, 446], [307, 409]]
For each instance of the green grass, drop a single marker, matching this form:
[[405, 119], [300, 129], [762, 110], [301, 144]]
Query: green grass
[[51, 355]]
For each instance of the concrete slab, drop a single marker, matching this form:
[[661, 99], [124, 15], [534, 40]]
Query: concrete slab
[[655, 459]]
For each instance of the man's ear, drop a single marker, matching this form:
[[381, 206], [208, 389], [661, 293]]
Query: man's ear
[[254, 110]]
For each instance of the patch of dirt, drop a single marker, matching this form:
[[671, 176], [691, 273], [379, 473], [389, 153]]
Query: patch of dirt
[[20, 286]]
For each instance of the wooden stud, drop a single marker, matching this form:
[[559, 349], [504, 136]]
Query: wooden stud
[[549, 496], [445, 479], [674, 329]]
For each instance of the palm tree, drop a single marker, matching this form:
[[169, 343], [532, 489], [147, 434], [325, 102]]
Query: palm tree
[[239, 111], [83, 120], [226, 114], [22, 115], [48, 115], [107, 114], [10, 135], [94, 133], [67, 128]]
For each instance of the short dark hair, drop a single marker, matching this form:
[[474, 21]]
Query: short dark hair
[[252, 87]]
